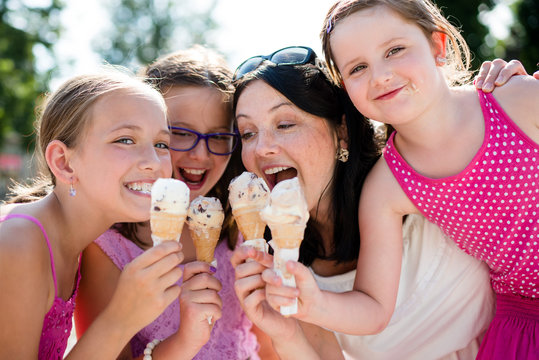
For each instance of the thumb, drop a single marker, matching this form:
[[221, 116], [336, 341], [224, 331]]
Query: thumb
[[303, 275]]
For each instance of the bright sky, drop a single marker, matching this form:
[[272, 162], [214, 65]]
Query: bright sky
[[247, 28]]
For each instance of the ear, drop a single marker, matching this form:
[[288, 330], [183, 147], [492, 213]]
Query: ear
[[439, 45], [342, 133], [57, 156]]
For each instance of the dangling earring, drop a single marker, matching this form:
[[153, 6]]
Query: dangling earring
[[440, 60], [342, 155], [72, 191]]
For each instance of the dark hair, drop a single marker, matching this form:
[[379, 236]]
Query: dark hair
[[202, 67], [310, 89]]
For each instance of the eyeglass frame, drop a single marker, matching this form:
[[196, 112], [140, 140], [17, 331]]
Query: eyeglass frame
[[235, 134], [309, 58]]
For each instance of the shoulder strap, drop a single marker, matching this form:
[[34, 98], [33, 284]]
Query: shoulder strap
[[36, 221]]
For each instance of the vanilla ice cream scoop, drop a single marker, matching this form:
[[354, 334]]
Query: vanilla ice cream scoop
[[170, 200], [248, 190]]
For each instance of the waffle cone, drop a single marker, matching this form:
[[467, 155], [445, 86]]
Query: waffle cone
[[287, 236], [205, 241], [249, 222], [166, 226]]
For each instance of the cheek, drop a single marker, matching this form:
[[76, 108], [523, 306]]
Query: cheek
[[247, 157]]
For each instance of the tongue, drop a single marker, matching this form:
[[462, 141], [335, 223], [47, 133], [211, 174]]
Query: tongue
[[192, 178], [285, 175]]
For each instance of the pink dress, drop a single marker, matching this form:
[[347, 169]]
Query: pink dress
[[58, 320], [491, 210], [231, 336]]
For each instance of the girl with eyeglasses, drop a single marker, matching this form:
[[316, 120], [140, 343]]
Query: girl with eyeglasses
[[197, 87], [294, 121]]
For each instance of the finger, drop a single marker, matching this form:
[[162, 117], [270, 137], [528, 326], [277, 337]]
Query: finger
[[270, 277], [169, 295], [245, 286], [241, 254], [276, 301], [254, 299], [494, 71], [162, 266], [196, 267], [205, 296], [301, 273], [171, 277], [263, 258], [536, 74], [211, 313], [158, 252], [513, 67], [483, 71], [248, 269], [202, 281]]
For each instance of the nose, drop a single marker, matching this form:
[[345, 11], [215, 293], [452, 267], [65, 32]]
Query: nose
[[266, 144], [381, 74], [200, 151], [150, 160]]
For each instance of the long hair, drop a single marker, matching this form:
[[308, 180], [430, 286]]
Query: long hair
[[202, 67], [64, 116], [310, 89], [426, 15]]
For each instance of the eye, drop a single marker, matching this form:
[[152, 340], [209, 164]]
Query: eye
[[394, 51], [358, 69], [285, 126], [181, 133], [247, 135], [126, 141], [161, 145]]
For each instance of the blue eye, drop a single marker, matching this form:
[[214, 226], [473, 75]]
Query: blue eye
[[125, 141], [161, 146]]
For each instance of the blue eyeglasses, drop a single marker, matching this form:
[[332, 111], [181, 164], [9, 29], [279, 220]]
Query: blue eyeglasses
[[183, 139], [291, 55]]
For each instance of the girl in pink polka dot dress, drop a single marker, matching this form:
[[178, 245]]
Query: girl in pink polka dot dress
[[467, 160]]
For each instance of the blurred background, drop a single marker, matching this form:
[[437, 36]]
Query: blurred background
[[42, 42]]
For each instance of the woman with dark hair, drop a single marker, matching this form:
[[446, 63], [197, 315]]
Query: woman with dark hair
[[295, 122]]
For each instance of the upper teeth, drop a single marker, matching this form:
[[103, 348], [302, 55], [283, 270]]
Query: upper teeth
[[195, 171], [275, 170], [142, 187]]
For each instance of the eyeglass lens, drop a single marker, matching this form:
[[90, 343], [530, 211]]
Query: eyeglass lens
[[217, 143]]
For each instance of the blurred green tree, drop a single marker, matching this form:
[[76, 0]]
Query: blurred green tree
[[523, 42], [141, 30], [464, 15], [27, 35]]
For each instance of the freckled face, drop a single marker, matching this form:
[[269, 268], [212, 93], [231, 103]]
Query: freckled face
[[280, 141]]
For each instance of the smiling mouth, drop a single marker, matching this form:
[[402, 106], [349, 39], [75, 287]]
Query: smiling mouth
[[277, 174], [192, 177], [141, 187], [389, 95]]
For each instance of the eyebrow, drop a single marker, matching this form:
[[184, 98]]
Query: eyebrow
[[272, 109], [136, 128]]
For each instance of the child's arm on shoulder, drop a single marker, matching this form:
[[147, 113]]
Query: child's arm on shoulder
[[27, 288], [99, 279], [519, 99]]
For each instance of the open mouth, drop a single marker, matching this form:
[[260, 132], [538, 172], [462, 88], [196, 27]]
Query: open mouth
[[192, 177], [277, 174], [140, 187]]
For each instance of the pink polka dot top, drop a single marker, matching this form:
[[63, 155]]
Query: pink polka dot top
[[490, 209]]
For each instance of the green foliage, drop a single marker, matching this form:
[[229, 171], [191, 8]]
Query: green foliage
[[23, 31], [523, 43], [141, 30]]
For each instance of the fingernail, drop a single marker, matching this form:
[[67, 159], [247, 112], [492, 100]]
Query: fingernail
[[479, 83], [488, 87], [498, 80], [213, 269]]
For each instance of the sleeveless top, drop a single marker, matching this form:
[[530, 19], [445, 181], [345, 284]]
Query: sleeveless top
[[490, 209], [444, 303], [58, 320], [231, 336]]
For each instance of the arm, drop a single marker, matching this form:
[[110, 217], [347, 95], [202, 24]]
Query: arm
[[368, 308], [99, 278], [145, 288], [287, 336], [199, 300], [27, 289]]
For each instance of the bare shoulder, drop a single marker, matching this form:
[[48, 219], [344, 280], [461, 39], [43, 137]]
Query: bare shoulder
[[383, 193], [519, 99]]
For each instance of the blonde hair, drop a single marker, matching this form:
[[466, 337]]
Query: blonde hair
[[426, 15], [65, 116]]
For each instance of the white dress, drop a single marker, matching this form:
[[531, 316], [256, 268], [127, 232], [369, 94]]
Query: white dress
[[444, 303]]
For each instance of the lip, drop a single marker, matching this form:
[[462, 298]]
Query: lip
[[390, 94], [271, 178], [140, 183], [192, 186]]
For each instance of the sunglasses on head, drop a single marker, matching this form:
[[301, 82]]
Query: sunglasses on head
[[291, 55]]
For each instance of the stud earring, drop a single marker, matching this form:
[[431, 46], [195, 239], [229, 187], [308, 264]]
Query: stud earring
[[72, 191], [440, 60], [342, 155]]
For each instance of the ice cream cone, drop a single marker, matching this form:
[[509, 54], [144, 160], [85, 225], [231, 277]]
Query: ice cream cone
[[166, 226], [287, 236], [205, 241], [249, 222]]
